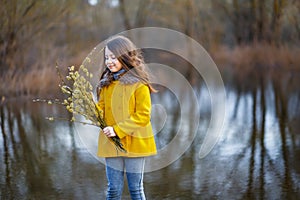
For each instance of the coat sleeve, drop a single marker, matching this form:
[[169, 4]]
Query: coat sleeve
[[141, 116]]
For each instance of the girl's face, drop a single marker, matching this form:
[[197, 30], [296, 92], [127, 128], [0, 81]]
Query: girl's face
[[111, 61]]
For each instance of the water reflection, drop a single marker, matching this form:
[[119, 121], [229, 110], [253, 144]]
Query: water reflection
[[43, 160], [258, 156], [270, 134]]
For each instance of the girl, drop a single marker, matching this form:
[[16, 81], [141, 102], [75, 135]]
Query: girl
[[124, 96]]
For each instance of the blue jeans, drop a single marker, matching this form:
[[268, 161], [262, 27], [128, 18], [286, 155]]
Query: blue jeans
[[134, 169]]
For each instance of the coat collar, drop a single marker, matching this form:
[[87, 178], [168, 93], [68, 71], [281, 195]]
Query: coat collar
[[126, 79]]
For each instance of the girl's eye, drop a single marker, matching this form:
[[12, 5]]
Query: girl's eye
[[112, 57]]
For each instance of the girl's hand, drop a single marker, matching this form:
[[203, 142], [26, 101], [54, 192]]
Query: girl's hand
[[109, 131]]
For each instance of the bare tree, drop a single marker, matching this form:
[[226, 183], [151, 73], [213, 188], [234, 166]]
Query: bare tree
[[133, 19], [278, 6], [21, 22]]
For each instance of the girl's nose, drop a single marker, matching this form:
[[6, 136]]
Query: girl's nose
[[109, 61]]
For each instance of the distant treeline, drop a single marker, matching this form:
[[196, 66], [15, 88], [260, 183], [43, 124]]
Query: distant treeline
[[36, 34]]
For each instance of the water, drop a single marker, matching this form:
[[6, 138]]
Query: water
[[257, 156]]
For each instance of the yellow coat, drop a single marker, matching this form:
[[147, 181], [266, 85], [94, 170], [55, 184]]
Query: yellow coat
[[127, 108]]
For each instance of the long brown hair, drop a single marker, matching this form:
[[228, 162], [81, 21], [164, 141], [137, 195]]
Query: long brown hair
[[130, 57]]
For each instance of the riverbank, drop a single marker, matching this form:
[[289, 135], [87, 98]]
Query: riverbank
[[239, 61], [262, 56]]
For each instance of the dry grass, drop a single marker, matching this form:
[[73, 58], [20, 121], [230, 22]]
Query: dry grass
[[249, 65], [40, 79], [242, 61], [35, 82], [258, 55]]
